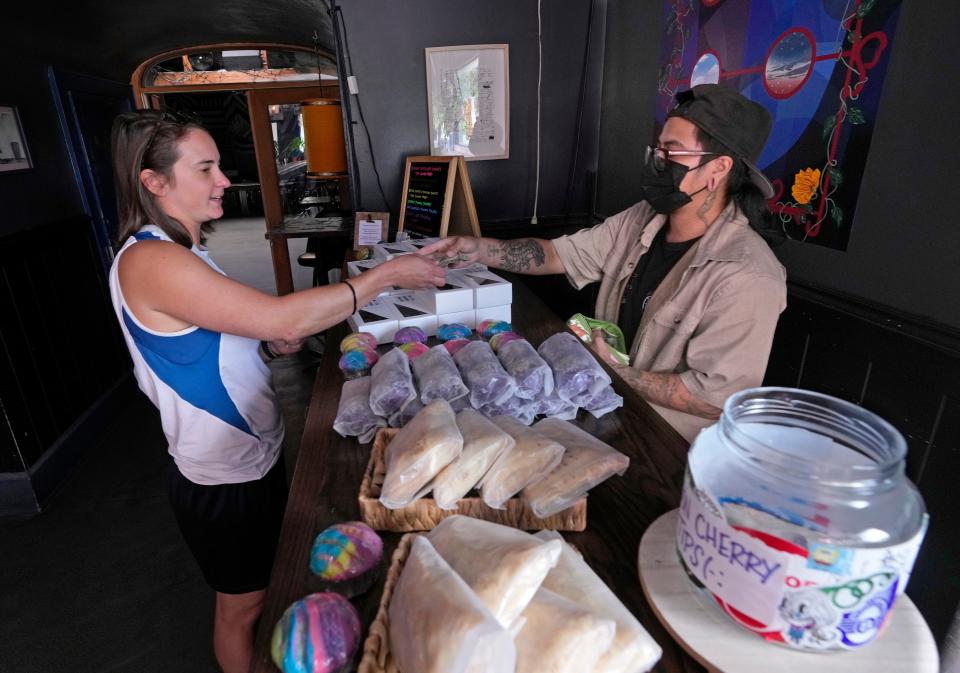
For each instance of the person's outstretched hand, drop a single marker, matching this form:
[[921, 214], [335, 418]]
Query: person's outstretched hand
[[415, 271], [454, 251]]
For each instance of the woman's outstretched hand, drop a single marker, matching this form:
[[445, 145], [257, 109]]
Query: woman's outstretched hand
[[414, 271]]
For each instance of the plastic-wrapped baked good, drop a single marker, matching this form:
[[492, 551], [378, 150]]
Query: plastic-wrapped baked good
[[346, 557], [586, 462], [406, 413], [483, 442], [489, 328], [409, 334], [358, 341], [455, 345], [437, 376], [438, 625], [415, 455], [554, 406], [605, 401], [532, 457], [317, 634], [560, 636], [413, 349], [504, 566], [355, 418], [532, 374], [357, 363], [486, 378], [632, 650], [517, 407], [391, 383], [576, 373]]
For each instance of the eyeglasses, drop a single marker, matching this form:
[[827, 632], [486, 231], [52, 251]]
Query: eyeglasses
[[178, 118], [659, 156]]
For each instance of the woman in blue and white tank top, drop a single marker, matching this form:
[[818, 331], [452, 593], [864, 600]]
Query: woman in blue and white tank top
[[199, 341]]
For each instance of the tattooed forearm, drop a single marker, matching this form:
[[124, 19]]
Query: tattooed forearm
[[667, 390], [521, 255]]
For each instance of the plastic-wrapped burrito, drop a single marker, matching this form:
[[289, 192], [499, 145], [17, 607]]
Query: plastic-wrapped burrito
[[437, 623], [521, 409], [533, 457], [406, 413], [483, 442], [632, 650], [577, 375], [355, 418], [504, 566], [554, 406], [603, 402], [560, 636], [486, 378], [586, 462], [418, 451], [391, 383], [438, 377], [532, 374]]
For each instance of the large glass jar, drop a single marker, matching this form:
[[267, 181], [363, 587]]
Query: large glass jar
[[798, 518]]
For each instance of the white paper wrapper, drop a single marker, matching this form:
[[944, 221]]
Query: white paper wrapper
[[483, 442], [437, 623], [532, 457], [504, 566]]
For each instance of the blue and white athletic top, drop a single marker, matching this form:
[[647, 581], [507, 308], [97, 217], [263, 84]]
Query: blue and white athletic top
[[216, 401]]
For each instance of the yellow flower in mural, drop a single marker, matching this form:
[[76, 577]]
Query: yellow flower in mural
[[805, 184]]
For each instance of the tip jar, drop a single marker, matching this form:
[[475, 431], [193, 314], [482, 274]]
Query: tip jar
[[797, 516]]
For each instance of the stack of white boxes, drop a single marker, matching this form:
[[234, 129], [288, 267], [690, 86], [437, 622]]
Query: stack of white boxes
[[471, 295]]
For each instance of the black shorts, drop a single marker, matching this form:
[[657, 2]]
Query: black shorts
[[231, 529]]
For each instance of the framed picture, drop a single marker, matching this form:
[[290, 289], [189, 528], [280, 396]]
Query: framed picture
[[468, 101], [14, 156]]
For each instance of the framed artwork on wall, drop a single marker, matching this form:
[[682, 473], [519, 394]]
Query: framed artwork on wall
[[468, 101], [14, 156]]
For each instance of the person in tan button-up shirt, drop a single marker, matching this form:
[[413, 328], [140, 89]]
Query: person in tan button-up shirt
[[707, 317]]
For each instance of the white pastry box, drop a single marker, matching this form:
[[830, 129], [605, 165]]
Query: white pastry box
[[379, 318], [494, 313], [468, 318], [489, 289], [456, 295], [416, 309], [387, 251]]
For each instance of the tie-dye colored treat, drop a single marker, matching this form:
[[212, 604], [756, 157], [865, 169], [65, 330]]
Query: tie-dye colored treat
[[317, 634], [346, 557]]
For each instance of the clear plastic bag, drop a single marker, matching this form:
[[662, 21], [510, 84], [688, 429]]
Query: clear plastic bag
[[632, 650], [532, 374], [406, 413], [355, 418], [504, 566], [586, 462], [439, 625], [517, 407], [486, 378], [576, 373], [554, 406], [438, 377], [419, 450], [532, 457], [391, 383], [603, 402], [483, 442], [560, 636]]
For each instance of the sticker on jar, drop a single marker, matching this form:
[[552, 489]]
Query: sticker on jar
[[821, 597]]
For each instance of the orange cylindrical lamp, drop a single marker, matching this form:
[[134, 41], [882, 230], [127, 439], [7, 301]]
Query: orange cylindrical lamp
[[323, 133]]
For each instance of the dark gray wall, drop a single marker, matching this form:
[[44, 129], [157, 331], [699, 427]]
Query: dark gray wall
[[387, 41], [905, 242], [48, 192]]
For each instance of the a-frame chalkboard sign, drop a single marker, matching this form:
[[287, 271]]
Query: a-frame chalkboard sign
[[437, 198]]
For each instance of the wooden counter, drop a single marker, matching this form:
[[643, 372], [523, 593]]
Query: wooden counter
[[329, 469]]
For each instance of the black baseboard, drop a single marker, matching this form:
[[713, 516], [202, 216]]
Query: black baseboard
[[28, 493]]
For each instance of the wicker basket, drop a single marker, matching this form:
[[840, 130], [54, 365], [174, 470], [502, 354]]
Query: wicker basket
[[376, 648], [424, 514]]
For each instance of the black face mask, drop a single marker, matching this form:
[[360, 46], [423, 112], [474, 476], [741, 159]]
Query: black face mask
[[661, 188]]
